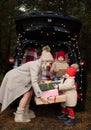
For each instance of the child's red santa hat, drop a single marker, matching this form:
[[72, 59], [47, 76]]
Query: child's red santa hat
[[61, 53], [71, 71]]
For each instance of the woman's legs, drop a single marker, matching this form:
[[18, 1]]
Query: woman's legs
[[25, 100], [29, 113], [20, 115]]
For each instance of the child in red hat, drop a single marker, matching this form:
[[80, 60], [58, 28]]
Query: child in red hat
[[68, 88], [58, 67]]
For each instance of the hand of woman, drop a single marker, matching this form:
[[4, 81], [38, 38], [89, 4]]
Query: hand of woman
[[44, 100]]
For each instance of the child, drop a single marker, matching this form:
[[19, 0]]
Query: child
[[69, 89], [58, 67]]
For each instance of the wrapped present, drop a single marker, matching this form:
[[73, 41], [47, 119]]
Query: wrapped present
[[49, 93], [47, 85], [53, 99]]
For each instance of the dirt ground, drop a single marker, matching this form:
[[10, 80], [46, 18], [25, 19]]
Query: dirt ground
[[46, 117]]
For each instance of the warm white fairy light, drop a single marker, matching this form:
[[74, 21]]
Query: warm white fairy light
[[41, 31], [69, 36], [73, 51], [73, 45], [22, 8], [17, 41], [49, 20], [31, 25], [75, 36], [19, 34], [74, 39], [54, 33], [62, 24], [61, 8], [76, 42]]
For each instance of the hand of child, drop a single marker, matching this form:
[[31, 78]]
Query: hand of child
[[56, 86]]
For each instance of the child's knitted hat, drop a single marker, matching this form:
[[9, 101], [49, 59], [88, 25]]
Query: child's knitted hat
[[61, 53], [71, 71]]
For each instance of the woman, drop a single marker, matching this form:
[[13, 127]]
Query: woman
[[21, 81]]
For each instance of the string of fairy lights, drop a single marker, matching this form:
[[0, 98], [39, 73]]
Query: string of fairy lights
[[72, 42]]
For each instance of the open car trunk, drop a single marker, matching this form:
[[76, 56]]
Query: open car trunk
[[59, 31]]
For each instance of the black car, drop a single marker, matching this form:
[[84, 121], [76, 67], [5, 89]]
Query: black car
[[59, 31]]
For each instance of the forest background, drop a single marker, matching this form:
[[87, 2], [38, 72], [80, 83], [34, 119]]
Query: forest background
[[10, 9]]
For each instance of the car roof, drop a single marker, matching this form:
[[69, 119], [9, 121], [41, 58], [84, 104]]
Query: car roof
[[47, 25]]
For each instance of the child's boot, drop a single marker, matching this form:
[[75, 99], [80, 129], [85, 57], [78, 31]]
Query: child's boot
[[70, 121], [20, 116], [62, 116]]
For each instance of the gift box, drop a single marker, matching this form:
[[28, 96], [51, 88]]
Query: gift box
[[50, 93], [47, 85], [53, 99]]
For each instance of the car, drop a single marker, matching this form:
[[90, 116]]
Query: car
[[59, 31]]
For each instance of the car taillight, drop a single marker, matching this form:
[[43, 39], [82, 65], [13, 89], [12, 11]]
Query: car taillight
[[11, 60]]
